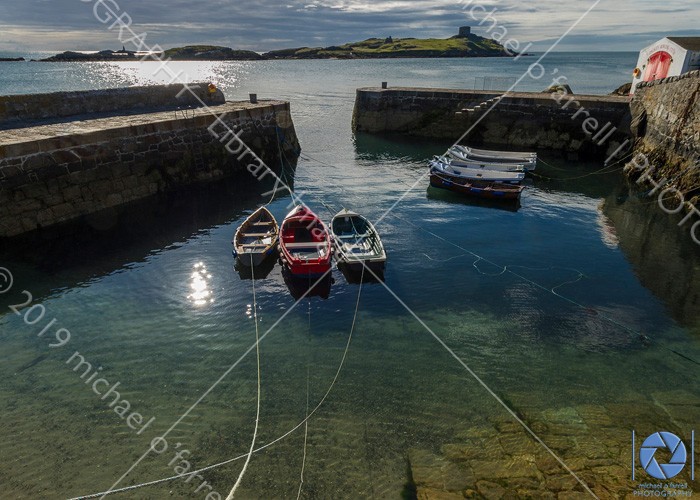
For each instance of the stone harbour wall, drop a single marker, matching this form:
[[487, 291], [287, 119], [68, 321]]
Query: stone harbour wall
[[23, 110], [48, 177], [666, 126], [520, 120]]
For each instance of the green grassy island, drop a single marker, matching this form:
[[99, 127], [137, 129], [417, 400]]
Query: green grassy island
[[372, 48], [463, 45]]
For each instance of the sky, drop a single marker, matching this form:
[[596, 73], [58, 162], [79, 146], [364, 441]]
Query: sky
[[260, 25]]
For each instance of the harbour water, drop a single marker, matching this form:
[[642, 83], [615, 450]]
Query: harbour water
[[553, 306]]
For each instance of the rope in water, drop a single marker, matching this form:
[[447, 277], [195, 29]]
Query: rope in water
[[257, 450], [306, 435], [257, 410], [641, 336], [306, 424], [644, 338]]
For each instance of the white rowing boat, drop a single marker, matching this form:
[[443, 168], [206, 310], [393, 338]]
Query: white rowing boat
[[488, 154], [357, 242], [483, 165], [510, 163], [440, 166]]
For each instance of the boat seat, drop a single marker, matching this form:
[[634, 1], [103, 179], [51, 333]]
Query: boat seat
[[255, 235], [307, 244], [269, 223], [253, 245]]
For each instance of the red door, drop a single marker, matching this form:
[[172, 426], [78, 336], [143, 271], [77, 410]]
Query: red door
[[657, 66]]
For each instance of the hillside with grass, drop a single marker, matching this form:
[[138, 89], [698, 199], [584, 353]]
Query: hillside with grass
[[210, 53], [374, 48]]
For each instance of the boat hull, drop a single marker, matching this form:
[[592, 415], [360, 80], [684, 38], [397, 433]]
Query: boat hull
[[249, 259], [485, 191], [506, 164], [476, 174], [357, 242], [487, 154], [256, 239], [305, 244]]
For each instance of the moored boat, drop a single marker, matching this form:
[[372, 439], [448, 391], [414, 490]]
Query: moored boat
[[476, 189], [357, 242], [528, 165], [489, 154], [305, 243], [444, 166], [453, 159], [256, 238]]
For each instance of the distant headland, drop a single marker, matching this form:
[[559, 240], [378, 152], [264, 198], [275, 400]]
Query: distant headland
[[464, 44]]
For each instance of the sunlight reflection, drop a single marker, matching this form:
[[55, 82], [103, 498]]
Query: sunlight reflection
[[201, 294]]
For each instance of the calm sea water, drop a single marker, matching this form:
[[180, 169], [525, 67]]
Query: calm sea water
[[580, 307]]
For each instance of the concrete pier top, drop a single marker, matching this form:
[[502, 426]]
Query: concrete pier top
[[50, 137], [475, 94]]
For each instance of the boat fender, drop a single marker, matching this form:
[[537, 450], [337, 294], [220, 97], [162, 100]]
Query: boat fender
[[636, 72]]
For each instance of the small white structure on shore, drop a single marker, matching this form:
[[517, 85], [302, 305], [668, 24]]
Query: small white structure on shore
[[670, 56]]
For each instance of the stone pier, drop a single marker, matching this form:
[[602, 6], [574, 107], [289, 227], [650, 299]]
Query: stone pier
[[66, 155], [592, 126]]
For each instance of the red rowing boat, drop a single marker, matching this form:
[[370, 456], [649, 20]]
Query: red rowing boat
[[305, 243]]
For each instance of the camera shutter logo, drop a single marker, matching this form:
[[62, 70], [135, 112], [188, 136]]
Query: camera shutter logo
[[666, 440]]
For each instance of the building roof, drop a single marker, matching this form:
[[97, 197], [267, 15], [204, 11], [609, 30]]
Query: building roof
[[687, 42]]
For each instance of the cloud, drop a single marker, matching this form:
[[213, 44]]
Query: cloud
[[266, 24]]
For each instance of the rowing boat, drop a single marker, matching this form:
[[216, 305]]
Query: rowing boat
[[507, 163], [305, 243], [476, 189], [458, 161], [256, 238], [489, 154], [356, 242], [444, 166]]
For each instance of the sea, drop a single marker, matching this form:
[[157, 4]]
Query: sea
[[575, 314]]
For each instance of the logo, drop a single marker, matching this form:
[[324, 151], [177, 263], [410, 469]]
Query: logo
[[660, 440], [653, 456]]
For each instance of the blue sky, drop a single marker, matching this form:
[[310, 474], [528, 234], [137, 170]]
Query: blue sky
[[261, 25]]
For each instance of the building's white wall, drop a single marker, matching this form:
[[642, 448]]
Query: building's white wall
[[680, 64]]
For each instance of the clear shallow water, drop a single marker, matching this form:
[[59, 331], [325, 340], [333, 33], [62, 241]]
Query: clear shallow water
[[577, 372]]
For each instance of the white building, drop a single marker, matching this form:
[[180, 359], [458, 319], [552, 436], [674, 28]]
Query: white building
[[670, 56]]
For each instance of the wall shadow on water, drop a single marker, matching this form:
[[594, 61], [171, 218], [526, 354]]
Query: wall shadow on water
[[69, 254], [664, 257], [379, 147]]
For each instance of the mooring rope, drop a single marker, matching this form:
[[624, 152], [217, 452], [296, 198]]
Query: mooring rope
[[257, 410], [642, 337], [257, 450], [306, 435], [306, 424]]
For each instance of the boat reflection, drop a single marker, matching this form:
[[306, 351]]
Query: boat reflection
[[260, 271], [434, 193], [307, 287], [355, 277]]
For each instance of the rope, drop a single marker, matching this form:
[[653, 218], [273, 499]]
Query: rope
[[306, 424], [602, 171], [257, 450], [642, 337], [306, 435], [257, 411]]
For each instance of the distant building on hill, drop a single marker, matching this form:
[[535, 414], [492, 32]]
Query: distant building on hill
[[465, 30], [670, 56]]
